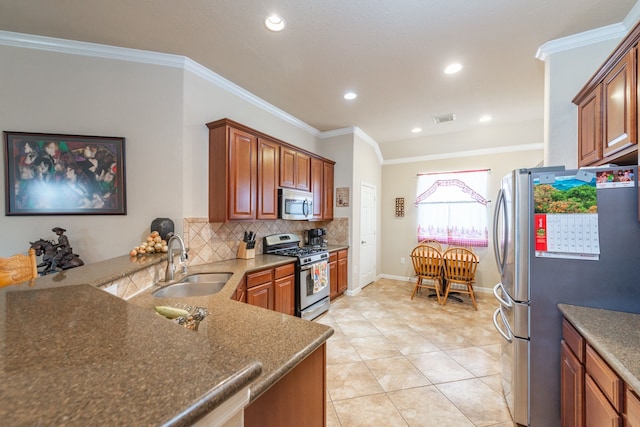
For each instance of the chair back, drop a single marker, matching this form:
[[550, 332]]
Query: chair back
[[427, 261], [460, 265], [431, 242], [18, 268]]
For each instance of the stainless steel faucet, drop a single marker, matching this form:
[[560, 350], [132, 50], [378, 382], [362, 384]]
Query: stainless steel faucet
[[171, 267]]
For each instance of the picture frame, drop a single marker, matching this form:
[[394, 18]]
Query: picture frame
[[57, 174]]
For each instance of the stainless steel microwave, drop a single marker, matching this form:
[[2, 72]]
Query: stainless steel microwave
[[294, 204]]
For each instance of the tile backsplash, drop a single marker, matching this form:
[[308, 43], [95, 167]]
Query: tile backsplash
[[217, 241]]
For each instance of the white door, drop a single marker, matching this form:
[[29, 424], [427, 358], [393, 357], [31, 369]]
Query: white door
[[367, 234]]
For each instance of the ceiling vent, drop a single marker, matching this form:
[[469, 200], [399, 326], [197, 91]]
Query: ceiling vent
[[444, 118]]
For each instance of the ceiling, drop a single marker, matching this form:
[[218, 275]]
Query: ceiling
[[392, 53]]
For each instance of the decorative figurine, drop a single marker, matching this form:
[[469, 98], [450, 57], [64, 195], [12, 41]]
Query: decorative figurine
[[56, 256]]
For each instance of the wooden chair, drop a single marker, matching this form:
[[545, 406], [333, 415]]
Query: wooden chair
[[427, 263], [431, 242], [18, 268], [460, 266]]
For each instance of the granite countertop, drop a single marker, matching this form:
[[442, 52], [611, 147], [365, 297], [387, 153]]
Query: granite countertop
[[614, 335], [74, 354]]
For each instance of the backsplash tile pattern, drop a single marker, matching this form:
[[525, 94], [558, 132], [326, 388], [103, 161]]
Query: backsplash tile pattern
[[210, 242]]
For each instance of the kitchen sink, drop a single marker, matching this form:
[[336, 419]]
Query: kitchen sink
[[195, 285]]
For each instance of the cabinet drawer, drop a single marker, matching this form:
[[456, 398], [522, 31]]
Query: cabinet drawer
[[343, 253], [284, 271], [607, 380], [333, 256], [573, 339], [632, 409], [259, 278]]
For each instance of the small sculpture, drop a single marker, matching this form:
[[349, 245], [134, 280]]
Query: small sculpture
[[56, 256]]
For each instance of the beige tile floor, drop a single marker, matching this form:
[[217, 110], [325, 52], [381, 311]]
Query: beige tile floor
[[393, 361]]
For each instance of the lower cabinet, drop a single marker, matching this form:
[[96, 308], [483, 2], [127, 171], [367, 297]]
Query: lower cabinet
[[272, 288], [284, 289], [297, 399], [338, 272], [592, 394]]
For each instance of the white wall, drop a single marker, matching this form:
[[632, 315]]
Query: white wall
[[71, 94], [566, 73], [160, 110], [399, 233]]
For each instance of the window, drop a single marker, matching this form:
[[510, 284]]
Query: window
[[452, 207]]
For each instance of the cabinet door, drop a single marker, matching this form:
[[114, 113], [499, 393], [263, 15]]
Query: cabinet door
[[268, 179], [632, 409], [242, 175], [241, 291], [343, 273], [619, 106], [327, 196], [287, 167], [598, 410], [261, 295], [590, 128], [303, 172], [333, 274], [317, 187], [571, 388], [284, 295]]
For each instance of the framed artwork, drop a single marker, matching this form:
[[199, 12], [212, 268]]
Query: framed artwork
[[53, 174], [342, 196]]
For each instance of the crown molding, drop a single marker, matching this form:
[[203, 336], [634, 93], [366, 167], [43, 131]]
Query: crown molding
[[357, 132], [470, 153], [610, 32], [74, 47]]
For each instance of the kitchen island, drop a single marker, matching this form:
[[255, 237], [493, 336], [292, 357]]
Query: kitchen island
[[71, 353]]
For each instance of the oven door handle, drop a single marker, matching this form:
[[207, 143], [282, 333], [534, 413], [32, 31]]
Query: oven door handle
[[306, 267]]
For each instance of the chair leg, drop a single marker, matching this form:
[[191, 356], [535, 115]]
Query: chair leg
[[437, 284], [445, 286], [473, 298], [415, 288]]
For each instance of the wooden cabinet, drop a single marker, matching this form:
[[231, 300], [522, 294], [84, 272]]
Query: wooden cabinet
[[268, 179], [284, 288], [322, 189], [246, 168], [607, 109], [232, 174], [343, 271], [333, 274], [241, 291], [338, 272], [619, 106], [572, 380], [592, 394], [590, 128], [297, 399], [272, 288], [295, 169], [260, 289]]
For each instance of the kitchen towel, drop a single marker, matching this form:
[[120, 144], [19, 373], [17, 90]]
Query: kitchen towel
[[319, 272]]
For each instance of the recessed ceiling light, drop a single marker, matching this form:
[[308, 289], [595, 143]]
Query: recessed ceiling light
[[485, 118], [350, 95], [274, 23], [453, 68], [416, 130]]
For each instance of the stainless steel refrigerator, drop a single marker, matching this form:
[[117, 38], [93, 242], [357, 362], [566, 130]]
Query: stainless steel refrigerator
[[533, 283]]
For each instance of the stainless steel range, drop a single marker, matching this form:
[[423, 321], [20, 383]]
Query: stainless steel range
[[312, 273]]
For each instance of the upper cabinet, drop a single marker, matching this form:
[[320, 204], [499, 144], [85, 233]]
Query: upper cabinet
[[295, 169], [246, 168], [608, 109]]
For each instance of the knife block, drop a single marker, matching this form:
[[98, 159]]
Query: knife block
[[244, 253]]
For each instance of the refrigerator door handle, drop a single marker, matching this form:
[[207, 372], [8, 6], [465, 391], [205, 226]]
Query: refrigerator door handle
[[506, 336], [496, 290], [501, 208]]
